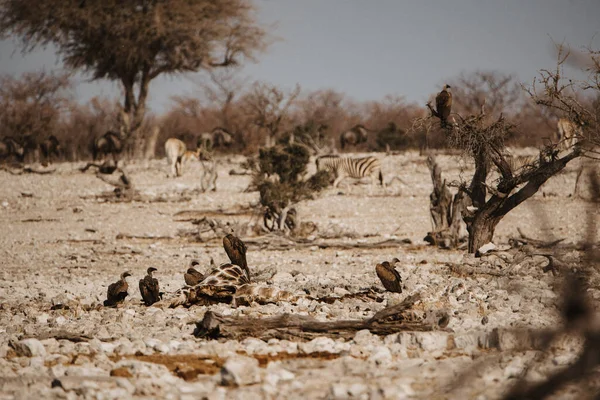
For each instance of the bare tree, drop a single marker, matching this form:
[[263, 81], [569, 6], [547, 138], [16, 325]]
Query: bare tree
[[566, 97], [482, 139], [325, 108], [134, 42], [221, 91], [31, 107], [500, 93], [84, 123], [269, 108]]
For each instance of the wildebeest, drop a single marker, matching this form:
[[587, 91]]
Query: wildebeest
[[218, 137], [109, 143], [355, 135], [9, 147], [49, 146], [178, 155]]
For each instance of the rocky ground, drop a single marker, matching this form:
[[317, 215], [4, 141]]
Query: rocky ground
[[64, 242]]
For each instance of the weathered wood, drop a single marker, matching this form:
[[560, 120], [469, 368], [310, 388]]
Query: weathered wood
[[446, 211], [289, 243], [198, 215], [396, 309], [289, 327], [543, 244], [440, 198]]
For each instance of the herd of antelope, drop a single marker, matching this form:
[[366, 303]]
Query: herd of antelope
[[111, 144]]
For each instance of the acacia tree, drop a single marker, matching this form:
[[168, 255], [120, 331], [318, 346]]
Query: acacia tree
[[135, 41], [483, 141], [221, 91]]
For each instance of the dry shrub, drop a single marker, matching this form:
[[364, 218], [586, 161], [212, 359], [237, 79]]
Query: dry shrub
[[32, 107], [279, 177]]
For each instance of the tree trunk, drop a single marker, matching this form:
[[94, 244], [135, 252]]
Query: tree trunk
[[440, 199], [477, 188], [481, 230], [446, 211], [151, 143]]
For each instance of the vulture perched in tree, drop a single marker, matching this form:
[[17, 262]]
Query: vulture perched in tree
[[149, 288], [192, 277], [236, 251], [117, 291], [389, 277], [443, 105]]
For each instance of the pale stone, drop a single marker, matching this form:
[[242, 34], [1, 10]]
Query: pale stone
[[29, 348], [240, 371]]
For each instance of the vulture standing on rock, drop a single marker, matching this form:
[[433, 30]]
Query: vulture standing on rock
[[236, 251], [149, 288], [443, 105], [117, 291], [390, 278]]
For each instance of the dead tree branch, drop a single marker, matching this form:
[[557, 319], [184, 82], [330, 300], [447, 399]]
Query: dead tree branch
[[287, 326]]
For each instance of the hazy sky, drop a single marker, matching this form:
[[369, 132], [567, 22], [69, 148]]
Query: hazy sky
[[371, 48]]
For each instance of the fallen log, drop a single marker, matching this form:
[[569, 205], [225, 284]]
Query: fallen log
[[542, 244], [303, 327], [288, 243]]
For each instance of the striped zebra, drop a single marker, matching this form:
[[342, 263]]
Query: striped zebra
[[346, 167]]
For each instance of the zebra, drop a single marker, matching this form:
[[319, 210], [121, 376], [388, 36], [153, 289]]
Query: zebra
[[355, 135], [178, 155], [109, 143], [346, 167]]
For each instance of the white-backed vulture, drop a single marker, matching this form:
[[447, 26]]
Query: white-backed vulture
[[149, 288], [389, 277], [117, 291], [443, 104]]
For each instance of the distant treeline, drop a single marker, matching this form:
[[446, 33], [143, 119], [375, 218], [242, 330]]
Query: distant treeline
[[38, 105]]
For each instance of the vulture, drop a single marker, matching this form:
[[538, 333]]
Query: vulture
[[149, 288], [443, 104], [389, 277], [117, 291], [236, 251], [192, 276]]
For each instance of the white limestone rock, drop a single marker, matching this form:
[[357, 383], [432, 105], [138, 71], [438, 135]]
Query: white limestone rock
[[240, 371]]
